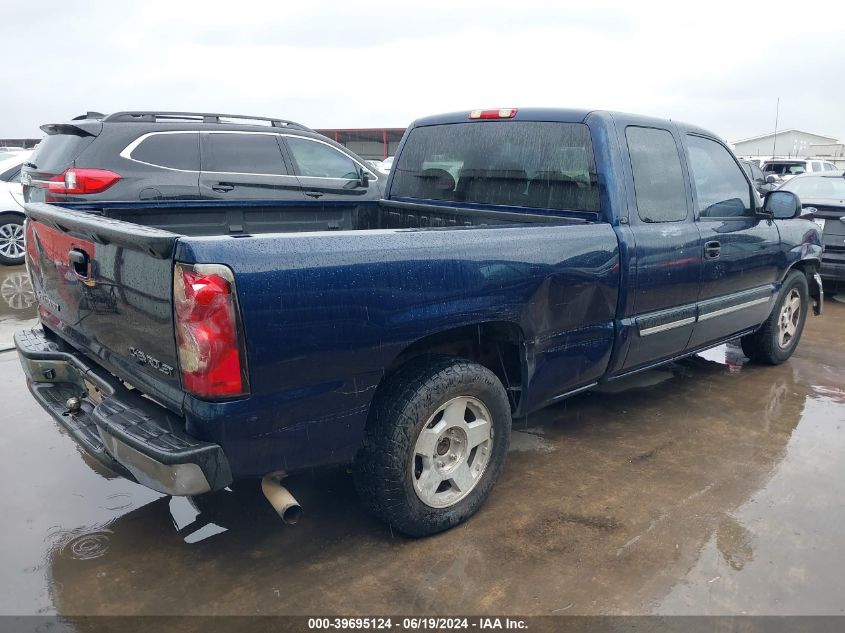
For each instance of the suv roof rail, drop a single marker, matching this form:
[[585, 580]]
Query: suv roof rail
[[149, 116]]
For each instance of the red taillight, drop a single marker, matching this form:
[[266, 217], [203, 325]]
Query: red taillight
[[208, 334], [81, 181], [501, 113]]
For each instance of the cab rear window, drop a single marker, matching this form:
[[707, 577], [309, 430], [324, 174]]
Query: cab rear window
[[514, 163]]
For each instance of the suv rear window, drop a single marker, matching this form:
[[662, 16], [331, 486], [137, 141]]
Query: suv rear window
[[177, 151], [517, 163], [56, 152], [785, 169]]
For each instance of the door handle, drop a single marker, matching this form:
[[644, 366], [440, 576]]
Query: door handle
[[79, 262], [712, 250], [314, 194], [222, 187]]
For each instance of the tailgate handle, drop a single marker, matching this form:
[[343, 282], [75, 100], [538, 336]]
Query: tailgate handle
[[79, 261]]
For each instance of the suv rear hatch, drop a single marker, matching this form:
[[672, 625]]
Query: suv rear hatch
[[56, 153], [106, 287]]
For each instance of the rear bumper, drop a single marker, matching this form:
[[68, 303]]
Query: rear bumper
[[833, 269], [128, 433]]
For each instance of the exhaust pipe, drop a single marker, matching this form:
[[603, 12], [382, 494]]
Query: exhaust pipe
[[282, 501]]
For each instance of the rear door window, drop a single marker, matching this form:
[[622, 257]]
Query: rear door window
[[658, 179], [242, 154], [174, 151], [517, 163], [318, 160], [720, 186]]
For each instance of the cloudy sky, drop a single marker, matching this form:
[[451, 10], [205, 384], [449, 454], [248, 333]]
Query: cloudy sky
[[721, 65]]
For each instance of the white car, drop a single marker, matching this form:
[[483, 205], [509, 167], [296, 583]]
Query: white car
[[386, 164], [11, 209], [787, 168]]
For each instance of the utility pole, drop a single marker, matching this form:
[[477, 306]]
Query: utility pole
[[775, 142]]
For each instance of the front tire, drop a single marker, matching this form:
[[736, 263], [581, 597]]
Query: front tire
[[11, 239], [436, 439], [778, 337]]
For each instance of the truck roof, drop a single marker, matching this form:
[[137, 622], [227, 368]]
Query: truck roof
[[563, 115]]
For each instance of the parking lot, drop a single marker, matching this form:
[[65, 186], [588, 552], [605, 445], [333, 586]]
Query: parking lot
[[708, 486]]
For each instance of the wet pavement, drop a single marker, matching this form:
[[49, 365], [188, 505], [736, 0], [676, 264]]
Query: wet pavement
[[706, 487], [18, 304]]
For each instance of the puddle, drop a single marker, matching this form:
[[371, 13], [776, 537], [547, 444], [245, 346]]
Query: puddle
[[782, 546], [18, 305], [82, 543]]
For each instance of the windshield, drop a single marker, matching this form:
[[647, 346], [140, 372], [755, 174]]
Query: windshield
[[819, 187], [529, 164]]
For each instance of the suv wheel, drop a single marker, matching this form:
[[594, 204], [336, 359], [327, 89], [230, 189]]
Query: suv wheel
[[11, 239], [436, 440]]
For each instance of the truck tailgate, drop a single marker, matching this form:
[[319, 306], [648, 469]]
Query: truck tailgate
[[105, 287]]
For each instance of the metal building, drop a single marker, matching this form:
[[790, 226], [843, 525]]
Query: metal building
[[788, 143], [371, 143]]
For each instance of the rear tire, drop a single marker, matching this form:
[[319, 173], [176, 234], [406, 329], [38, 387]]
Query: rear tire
[[778, 337], [11, 239], [436, 439]]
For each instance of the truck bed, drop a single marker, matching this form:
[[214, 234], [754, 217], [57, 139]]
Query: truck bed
[[326, 313], [251, 217]]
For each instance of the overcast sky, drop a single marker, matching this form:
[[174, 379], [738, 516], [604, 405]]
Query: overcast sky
[[371, 64]]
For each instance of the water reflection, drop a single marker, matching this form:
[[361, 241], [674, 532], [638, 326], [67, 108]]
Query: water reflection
[[16, 291], [18, 304]]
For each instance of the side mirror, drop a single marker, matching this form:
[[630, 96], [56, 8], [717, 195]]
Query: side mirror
[[364, 177], [771, 179], [782, 205]]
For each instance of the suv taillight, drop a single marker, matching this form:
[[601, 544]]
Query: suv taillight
[[209, 338], [75, 181]]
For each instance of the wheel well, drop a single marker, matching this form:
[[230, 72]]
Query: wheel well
[[806, 266], [20, 214], [809, 267], [498, 346]]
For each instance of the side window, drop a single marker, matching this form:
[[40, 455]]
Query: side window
[[720, 186], [829, 167], [817, 166], [319, 160], [658, 180], [756, 174], [242, 154], [176, 151]]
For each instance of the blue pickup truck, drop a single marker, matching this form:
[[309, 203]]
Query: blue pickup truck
[[518, 256]]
